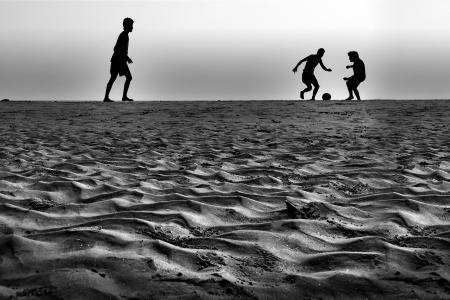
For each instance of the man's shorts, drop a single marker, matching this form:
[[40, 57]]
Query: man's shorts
[[309, 78], [354, 82], [120, 67]]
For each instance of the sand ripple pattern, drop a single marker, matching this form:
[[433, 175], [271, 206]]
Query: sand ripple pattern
[[223, 200]]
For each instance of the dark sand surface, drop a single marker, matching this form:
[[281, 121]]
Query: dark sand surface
[[225, 200]]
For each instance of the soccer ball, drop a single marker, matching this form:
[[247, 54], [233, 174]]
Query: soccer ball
[[326, 97]]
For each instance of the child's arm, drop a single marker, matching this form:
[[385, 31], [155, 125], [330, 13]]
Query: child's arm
[[299, 63], [323, 66]]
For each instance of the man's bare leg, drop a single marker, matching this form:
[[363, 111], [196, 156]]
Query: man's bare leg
[[350, 91], [316, 89], [357, 94], [125, 89], [109, 86], [302, 93]]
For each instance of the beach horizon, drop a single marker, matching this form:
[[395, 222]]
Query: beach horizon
[[218, 100]]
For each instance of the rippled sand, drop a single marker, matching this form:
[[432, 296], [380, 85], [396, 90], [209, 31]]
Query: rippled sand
[[215, 200]]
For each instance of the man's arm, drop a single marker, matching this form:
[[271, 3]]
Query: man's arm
[[323, 66], [299, 63], [351, 66]]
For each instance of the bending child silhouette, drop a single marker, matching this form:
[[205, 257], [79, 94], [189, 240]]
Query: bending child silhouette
[[120, 60], [308, 77], [359, 75]]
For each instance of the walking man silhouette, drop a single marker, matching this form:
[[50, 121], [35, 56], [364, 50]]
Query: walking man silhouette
[[120, 60], [359, 74], [308, 77]]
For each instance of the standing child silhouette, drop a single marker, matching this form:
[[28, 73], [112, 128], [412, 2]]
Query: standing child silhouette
[[120, 60], [359, 75], [308, 77]]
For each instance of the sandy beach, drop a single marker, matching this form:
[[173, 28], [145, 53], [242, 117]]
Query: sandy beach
[[225, 200]]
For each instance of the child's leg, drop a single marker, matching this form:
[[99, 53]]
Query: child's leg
[[110, 84], [128, 77], [350, 89], [307, 89], [357, 82], [316, 87], [306, 78], [356, 93], [126, 86]]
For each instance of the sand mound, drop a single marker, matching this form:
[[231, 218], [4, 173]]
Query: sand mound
[[258, 200]]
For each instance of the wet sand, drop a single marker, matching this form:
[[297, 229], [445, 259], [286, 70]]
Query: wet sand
[[225, 200]]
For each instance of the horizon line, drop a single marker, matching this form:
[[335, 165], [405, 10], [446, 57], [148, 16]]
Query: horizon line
[[223, 100]]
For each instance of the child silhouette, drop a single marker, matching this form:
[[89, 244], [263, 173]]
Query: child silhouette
[[308, 77], [359, 75], [120, 60]]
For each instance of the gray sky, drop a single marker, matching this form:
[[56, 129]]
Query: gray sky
[[223, 49]]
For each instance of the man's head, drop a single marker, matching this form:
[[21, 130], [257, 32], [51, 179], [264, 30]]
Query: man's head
[[353, 55], [128, 24], [320, 52]]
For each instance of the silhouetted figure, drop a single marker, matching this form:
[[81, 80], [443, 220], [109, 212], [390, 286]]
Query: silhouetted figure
[[359, 75], [308, 77], [120, 60]]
